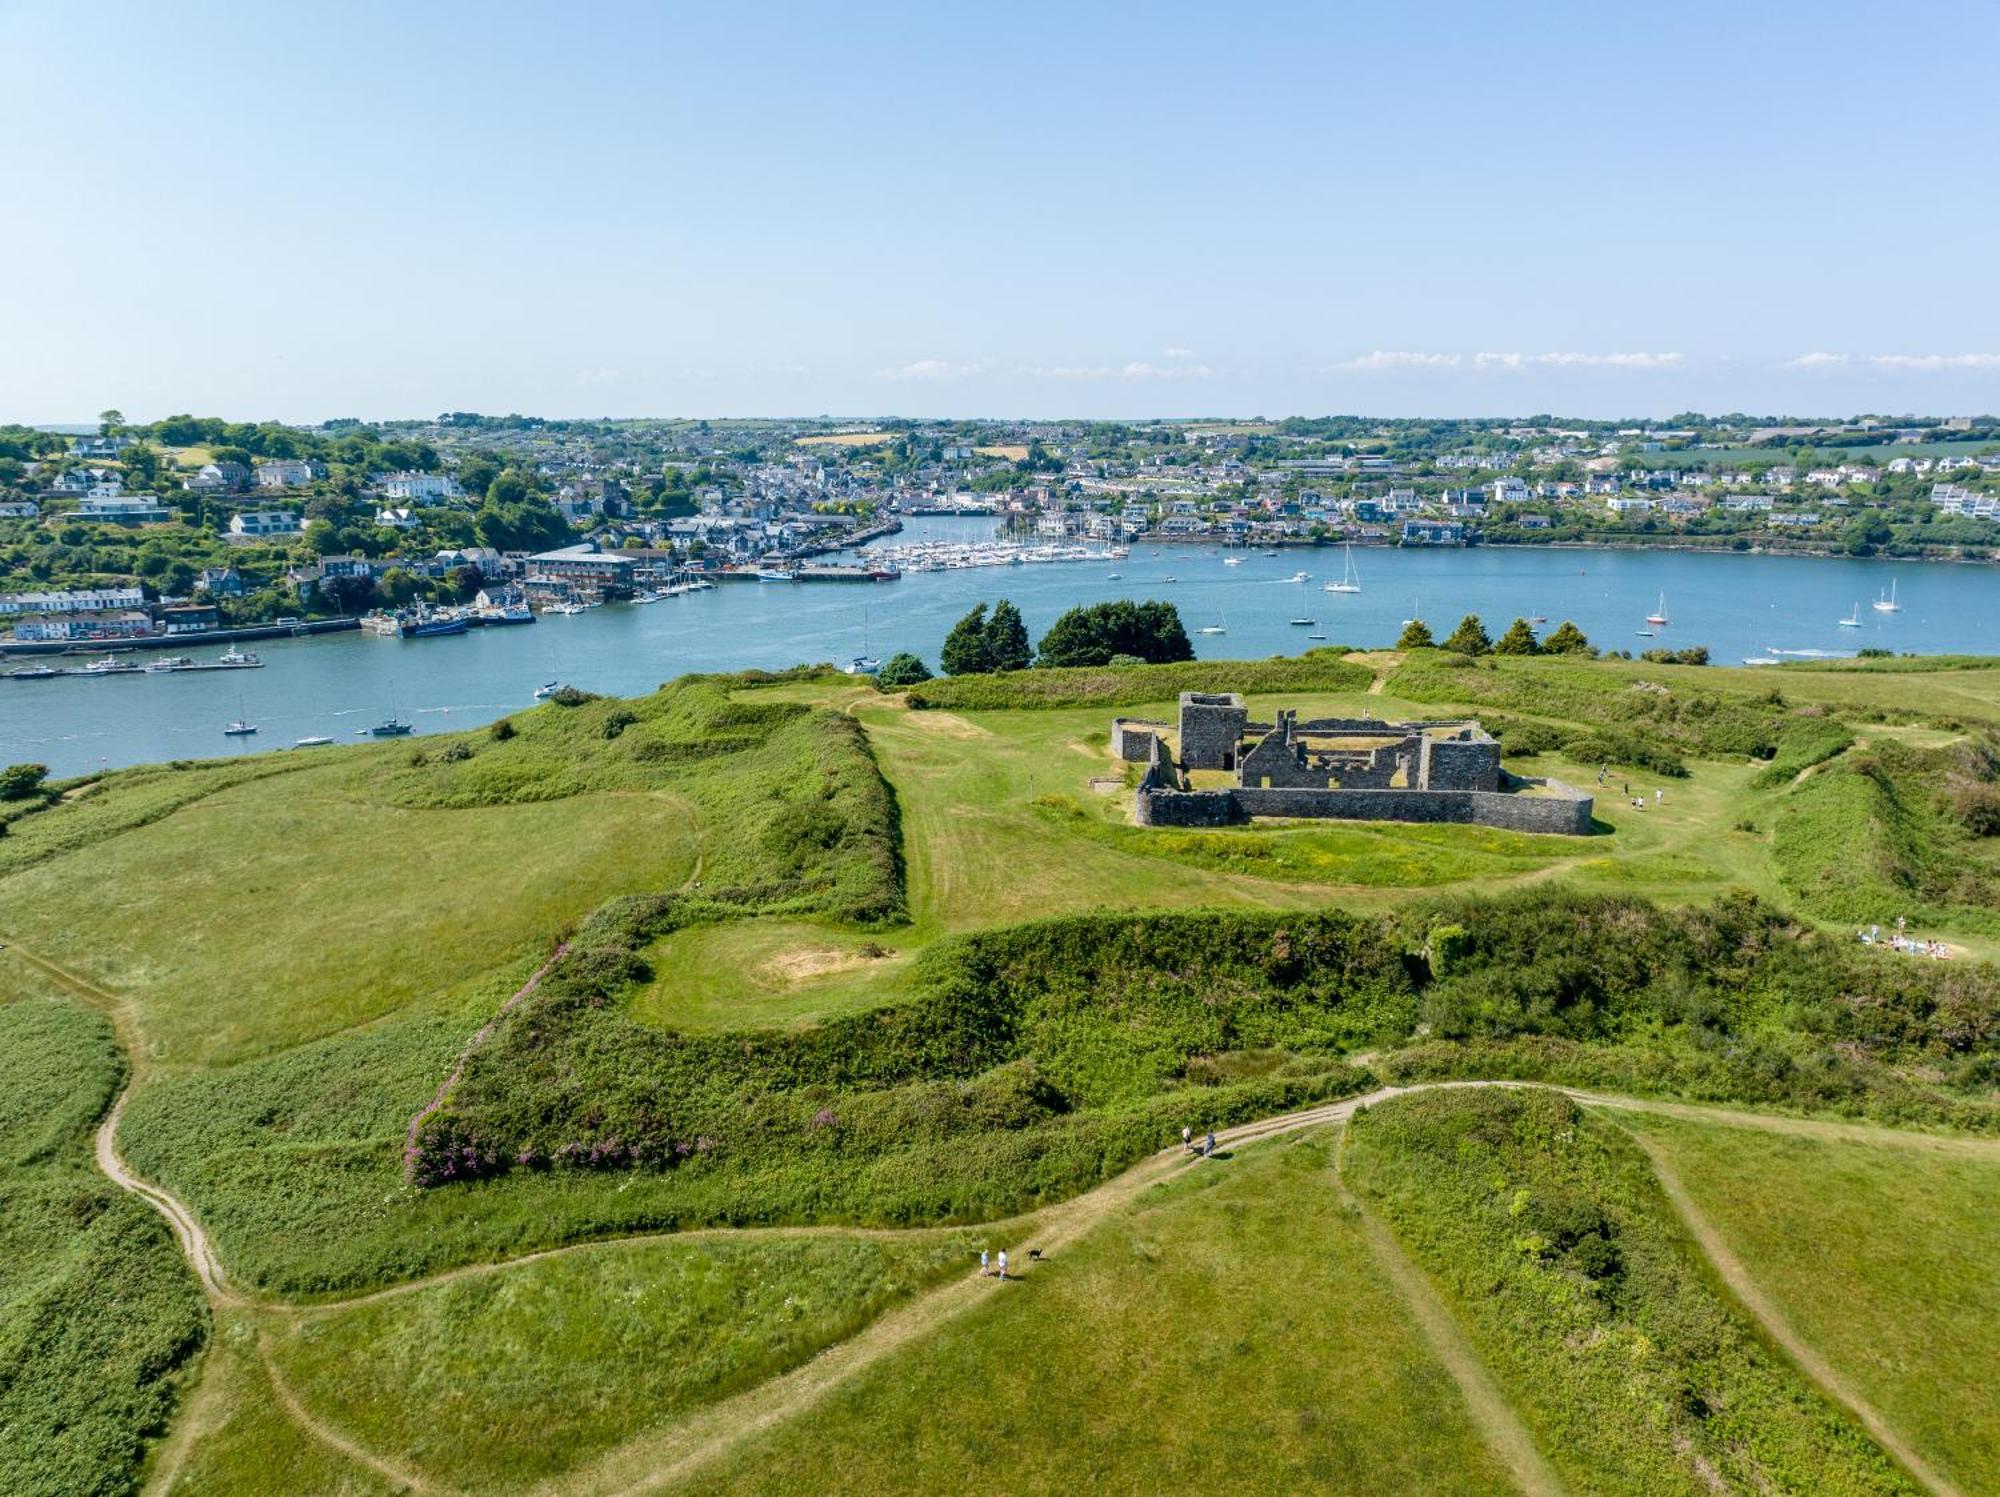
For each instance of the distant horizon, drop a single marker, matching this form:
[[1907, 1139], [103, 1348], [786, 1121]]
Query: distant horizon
[[80, 427]]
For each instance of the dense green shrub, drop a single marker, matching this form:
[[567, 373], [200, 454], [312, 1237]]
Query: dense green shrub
[[1132, 685], [902, 669]]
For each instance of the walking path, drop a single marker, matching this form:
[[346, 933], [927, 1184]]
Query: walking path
[[1729, 1268], [664, 1457]]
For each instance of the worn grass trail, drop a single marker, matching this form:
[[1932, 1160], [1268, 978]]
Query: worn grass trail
[[1499, 1422], [1772, 1321]]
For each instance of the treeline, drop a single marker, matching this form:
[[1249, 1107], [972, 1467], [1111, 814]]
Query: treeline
[[1100, 634]]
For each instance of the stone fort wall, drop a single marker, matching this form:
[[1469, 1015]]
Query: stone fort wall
[[1566, 813]]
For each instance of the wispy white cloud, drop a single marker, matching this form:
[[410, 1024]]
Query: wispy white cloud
[[929, 369], [1179, 353], [1510, 361], [1140, 370], [1396, 359], [1381, 360], [1920, 362], [1137, 369]]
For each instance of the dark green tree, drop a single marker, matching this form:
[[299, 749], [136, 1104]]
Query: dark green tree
[[902, 669], [1470, 637], [1566, 639], [964, 652], [19, 781], [1007, 647], [1518, 640], [1416, 635], [1093, 635]]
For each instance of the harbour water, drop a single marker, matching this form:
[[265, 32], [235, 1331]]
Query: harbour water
[[338, 685]]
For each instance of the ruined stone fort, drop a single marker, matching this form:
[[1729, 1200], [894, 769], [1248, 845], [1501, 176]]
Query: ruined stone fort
[[1217, 768]]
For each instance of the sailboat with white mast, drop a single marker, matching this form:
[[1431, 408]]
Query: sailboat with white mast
[[1887, 602], [1350, 580]]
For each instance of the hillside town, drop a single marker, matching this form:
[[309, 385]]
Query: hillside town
[[185, 526]]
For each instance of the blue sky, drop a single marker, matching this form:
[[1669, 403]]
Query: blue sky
[[368, 209]]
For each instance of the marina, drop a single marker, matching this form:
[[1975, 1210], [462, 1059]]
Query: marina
[[337, 685]]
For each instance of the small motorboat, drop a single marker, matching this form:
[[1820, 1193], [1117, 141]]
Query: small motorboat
[[239, 729], [1315, 636], [317, 740], [34, 673], [1232, 561], [238, 660], [862, 665], [547, 689], [173, 663], [1302, 576], [1170, 577], [390, 727], [1306, 623]]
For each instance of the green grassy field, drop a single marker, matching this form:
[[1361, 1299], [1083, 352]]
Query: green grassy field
[[1883, 1255], [831, 960], [1223, 1333], [334, 912], [507, 1379]]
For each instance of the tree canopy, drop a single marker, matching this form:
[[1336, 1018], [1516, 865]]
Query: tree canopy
[[1416, 635], [1567, 639], [1518, 640], [1092, 635], [1470, 637]]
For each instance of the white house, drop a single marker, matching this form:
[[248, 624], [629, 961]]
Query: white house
[[25, 509], [115, 508], [423, 488], [76, 600], [288, 473], [396, 519], [1509, 491], [254, 523]]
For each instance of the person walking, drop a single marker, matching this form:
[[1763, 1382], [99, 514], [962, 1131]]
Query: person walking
[[1209, 1150], [984, 1269], [1003, 1263], [1187, 1138]]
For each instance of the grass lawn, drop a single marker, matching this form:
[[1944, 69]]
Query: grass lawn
[[285, 909], [1885, 1258], [751, 973], [1225, 1332], [236, 1438], [505, 1379]]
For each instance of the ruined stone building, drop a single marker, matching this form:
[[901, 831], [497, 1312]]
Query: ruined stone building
[[1362, 769]]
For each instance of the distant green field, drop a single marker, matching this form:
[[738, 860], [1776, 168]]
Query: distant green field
[[286, 909]]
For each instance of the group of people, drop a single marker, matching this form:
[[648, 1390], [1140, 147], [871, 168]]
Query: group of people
[[1205, 1148], [986, 1268], [1625, 789], [1937, 951]]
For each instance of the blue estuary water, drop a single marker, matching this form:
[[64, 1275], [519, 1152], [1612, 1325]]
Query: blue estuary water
[[337, 685]]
